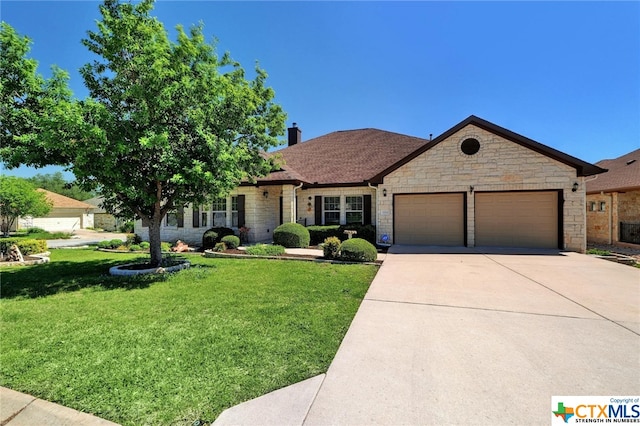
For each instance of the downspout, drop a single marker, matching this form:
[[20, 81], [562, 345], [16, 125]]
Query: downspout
[[375, 188], [294, 213]]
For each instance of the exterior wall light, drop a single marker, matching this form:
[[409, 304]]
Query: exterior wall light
[[265, 194], [384, 192], [575, 187]]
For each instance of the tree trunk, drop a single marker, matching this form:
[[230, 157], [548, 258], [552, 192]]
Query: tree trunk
[[154, 242]]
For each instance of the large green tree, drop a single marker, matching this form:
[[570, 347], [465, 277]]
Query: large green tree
[[166, 122], [18, 197]]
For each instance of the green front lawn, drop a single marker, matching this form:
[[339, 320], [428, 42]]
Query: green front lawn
[[172, 349]]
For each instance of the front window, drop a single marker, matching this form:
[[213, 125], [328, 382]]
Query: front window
[[171, 219], [220, 212], [331, 210], [354, 209], [592, 206], [603, 206], [234, 212], [204, 216]]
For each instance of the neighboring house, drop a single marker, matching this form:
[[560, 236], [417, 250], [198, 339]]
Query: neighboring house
[[66, 214], [613, 201], [477, 184], [101, 218]]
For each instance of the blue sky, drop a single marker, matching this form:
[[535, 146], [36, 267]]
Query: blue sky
[[566, 74]]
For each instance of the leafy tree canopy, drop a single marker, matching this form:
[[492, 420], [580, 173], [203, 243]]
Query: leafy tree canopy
[[56, 183], [166, 122], [18, 197]]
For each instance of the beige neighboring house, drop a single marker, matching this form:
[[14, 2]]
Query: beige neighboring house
[[613, 201], [101, 218], [66, 215], [477, 184]]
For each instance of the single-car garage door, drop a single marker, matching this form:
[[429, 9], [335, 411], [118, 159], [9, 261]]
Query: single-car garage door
[[429, 219], [516, 219]]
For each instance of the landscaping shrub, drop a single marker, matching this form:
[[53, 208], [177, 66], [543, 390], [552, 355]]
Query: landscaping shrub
[[291, 235], [127, 227], [331, 247], [133, 239], [220, 247], [212, 236], [106, 244], [318, 233], [35, 230], [265, 250], [26, 247], [164, 246], [115, 243], [145, 245], [135, 247], [231, 241], [358, 250]]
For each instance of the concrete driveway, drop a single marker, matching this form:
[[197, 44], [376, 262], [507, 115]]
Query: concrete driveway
[[475, 336], [83, 237]]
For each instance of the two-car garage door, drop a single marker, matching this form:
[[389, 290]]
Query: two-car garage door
[[502, 219]]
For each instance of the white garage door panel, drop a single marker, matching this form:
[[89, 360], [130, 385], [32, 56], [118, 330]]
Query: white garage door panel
[[517, 219], [429, 219], [57, 223]]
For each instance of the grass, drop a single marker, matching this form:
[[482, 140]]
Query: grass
[[172, 349], [598, 252]]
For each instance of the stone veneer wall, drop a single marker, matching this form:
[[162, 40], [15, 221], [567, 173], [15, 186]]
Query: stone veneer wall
[[500, 165], [604, 226]]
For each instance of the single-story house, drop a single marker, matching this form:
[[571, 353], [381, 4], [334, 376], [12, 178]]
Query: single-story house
[[101, 218], [477, 184], [66, 215], [613, 201]]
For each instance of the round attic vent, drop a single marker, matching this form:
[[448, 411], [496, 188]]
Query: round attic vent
[[470, 146]]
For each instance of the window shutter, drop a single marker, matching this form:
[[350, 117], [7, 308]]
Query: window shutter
[[366, 206], [241, 218], [196, 217], [318, 209], [180, 217]]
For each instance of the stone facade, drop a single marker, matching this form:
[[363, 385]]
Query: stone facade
[[499, 165], [606, 210]]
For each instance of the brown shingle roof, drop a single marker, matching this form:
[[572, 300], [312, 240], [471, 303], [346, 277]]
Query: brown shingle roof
[[623, 174], [343, 157], [64, 202]]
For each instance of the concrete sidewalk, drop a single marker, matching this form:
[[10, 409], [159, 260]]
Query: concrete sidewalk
[[19, 409], [473, 336]]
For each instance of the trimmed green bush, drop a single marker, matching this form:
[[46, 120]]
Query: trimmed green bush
[[115, 243], [212, 236], [106, 244], [319, 233], [220, 247], [145, 245], [358, 250], [265, 250], [292, 235], [26, 247], [331, 247], [231, 241], [164, 246], [135, 247]]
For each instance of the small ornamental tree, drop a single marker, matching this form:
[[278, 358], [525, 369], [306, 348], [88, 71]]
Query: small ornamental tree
[[19, 198], [166, 123]]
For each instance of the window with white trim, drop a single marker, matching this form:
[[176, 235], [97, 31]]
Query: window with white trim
[[171, 219], [603, 206], [204, 215], [331, 210], [354, 209], [592, 206], [234, 212], [220, 212]]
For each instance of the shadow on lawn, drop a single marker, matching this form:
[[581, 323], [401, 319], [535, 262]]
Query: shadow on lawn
[[64, 276]]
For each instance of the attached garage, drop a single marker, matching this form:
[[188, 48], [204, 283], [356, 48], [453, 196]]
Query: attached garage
[[429, 219], [517, 219]]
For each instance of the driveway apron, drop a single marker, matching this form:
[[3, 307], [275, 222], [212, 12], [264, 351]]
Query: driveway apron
[[473, 336]]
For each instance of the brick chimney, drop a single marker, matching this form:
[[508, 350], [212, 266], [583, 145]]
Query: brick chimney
[[295, 135]]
